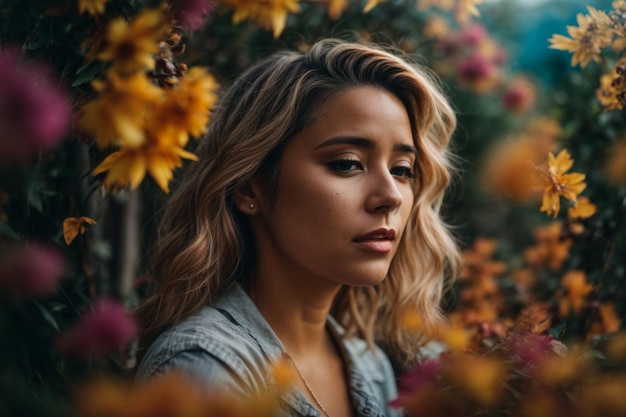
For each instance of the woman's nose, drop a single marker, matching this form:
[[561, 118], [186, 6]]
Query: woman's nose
[[384, 194]]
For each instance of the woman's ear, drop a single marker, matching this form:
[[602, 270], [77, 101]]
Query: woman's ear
[[246, 199]]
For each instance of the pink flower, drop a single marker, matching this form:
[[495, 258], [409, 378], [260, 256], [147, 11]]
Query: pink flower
[[34, 114], [191, 13], [475, 68], [420, 377], [31, 270], [107, 328], [473, 35], [519, 96], [529, 348]]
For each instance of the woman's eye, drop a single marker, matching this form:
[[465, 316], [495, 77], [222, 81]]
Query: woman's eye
[[402, 171], [344, 165]]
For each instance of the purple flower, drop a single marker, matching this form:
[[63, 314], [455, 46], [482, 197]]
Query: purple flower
[[191, 13], [422, 376], [529, 348], [472, 35], [31, 270], [475, 68], [105, 329], [34, 114]]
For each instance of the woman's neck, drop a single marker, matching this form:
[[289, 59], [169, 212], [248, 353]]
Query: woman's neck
[[296, 313]]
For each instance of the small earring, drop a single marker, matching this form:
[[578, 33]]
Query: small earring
[[251, 205]]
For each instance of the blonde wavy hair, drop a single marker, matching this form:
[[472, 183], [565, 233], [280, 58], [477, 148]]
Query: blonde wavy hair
[[206, 243]]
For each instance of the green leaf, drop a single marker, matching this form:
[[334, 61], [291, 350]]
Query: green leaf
[[558, 331], [87, 72], [47, 315], [8, 231]]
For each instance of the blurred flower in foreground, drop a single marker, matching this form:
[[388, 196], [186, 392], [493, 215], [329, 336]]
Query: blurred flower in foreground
[[615, 165], [103, 330], [607, 321], [582, 210], [576, 290], [174, 394], [477, 71], [519, 96], [34, 114], [31, 270], [558, 183], [191, 13], [508, 167], [463, 9], [593, 33], [551, 249], [93, 7], [271, 14]]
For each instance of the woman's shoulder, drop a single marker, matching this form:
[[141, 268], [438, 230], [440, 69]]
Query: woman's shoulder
[[207, 344]]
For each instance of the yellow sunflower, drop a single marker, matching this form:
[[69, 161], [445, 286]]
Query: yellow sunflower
[[131, 47], [270, 14], [128, 166], [187, 106], [593, 33], [119, 115], [558, 183]]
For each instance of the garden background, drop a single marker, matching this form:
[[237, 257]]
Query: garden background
[[102, 101]]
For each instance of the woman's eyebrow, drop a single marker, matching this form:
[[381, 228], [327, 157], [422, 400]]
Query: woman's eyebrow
[[365, 143]]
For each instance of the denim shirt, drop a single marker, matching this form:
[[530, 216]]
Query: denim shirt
[[228, 345]]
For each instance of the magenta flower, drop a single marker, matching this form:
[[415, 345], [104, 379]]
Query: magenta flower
[[528, 348], [473, 35], [103, 330], [31, 270], [519, 96], [34, 114], [191, 13], [421, 376], [475, 68]]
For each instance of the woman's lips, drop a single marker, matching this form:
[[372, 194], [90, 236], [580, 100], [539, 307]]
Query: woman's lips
[[379, 240], [375, 245]]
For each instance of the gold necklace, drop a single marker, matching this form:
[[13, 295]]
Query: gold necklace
[[307, 385]]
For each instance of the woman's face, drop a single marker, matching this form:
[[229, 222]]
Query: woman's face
[[344, 195]]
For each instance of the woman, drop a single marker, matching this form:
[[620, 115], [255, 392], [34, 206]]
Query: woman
[[309, 226]]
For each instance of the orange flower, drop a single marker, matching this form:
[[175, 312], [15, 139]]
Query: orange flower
[[187, 106], [593, 33], [615, 165], [560, 184], [582, 210], [93, 7], [121, 113], [607, 321], [129, 165], [463, 9], [271, 14], [437, 28], [371, 4], [335, 7], [607, 93], [506, 168], [72, 226], [551, 249], [576, 291], [478, 377], [131, 47]]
